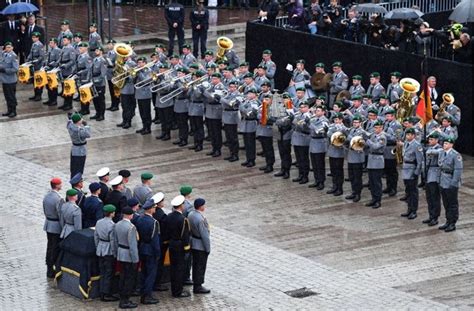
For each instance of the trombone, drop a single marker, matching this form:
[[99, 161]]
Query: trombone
[[131, 72], [166, 83], [182, 88], [156, 87]]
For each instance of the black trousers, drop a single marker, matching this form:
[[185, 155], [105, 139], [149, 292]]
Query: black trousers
[[411, 186], [52, 249], [172, 32], [115, 100], [250, 146], [149, 268], [215, 133], [177, 267], [106, 268], [128, 107], [166, 118], [433, 198], [199, 266], [355, 176], [77, 164], [302, 158], [197, 124], [53, 95], [391, 174], [160, 268], [188, 260], [38, 91], [9, 91], [450, 203], [232, 138], [144, 107], [375, 184], [268, 151], [318, 161], [99, 101], [128, 279], [183, 127], [284, 149], [336, 166], [199, 36]]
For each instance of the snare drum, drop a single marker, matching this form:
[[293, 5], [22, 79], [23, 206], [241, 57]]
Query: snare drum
[[40, 78]]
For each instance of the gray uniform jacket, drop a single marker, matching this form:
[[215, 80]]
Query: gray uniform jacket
[[354, 156], [9, 63], [249, 112], [357, 90], [213, 107], [181, 102], [188, 59], [127, 245], [188, 208], [412, 159], [79, 135], [98, 71], [318, 132], [232, 58], [394, 91], [61, 36], [259, 80], [83, 67], [52, 60], [285, 129], [70, 219], [376, 145], [168, 88], [110, 57], [333, 151], [339, 83], [301, 77], [432, 166], [447, 132], [200, 234], [196, 105], [104, 237], [142, 193], [264, 130], [451, 166], [36, 55], [455, 114], [143, 92], [68, 60], [230, 114], [375, 91], [127, 192], [129, 88], [51, 206], [94, 42], [301, 130], [270, 72], [393, 132]]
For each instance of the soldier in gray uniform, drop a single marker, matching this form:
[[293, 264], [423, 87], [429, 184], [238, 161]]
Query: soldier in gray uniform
[[143, 192], [79, 132], [127, 98], [110, 57], [160, 52], [181, 108], [431, 168], [455, 113], [270, 66], [36, 57], [336, 155], [94, 39], [355, 158], [260, 77], [228, 75], [98, 75], [265, 134], [8, 76], [65, 31], [230, 118], [106, 251], [451, 167], [83, 65], [77, 40], [127, 192], [340, 82], [446, 130], [196, 111], [248, 126], [70, 216], [300, 140], [285, 131], [300, 78], [143, 97], [52, 202], [127, 255], [300, 96], [318, 146], [356, 108], [68, 67], [383, 106], [232, 58], [187, 57], [214, 114], [248, 83], [243, 71], [165, 108], [375, 163], [394, 90], [51, 62], [356, 88], [393, 132], [412, 163], [375, 88]]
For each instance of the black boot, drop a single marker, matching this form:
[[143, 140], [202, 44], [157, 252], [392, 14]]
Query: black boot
[[279, 174], [269, 169]]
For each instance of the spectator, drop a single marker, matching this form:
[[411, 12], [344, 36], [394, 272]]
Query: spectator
[[350, 26], [423, 39], [376, 29], [406, 39], [391, 37], [464, 53], [268, 11], [296, 15]]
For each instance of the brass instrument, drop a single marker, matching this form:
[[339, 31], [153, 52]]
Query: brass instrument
[[405, 106], [397, 151], [24, 72], [183, 88], [448, 99], [342, 95], [277, 108], [168, 83], [357, 143], [152, 78], [223, 45], [338, 138], [166, 75], [122, 51], [320, 81]]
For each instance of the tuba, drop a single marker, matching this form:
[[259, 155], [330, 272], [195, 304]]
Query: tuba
[[343, 95], [122, 51], [223, 45], [405, 106], [448, 99], [320, 81], [338, 139], [40, 78], [24, 72]]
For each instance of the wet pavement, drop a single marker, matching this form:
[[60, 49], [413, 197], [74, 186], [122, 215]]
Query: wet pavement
[[269, 235]]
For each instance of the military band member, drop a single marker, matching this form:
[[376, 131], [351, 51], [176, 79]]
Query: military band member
[[165, 107], [98, 75], [228, 75], [260, 77], [156, 69], [213, 114], [336, 155], [248, 83], [230, 119], [243, 71], [127, 255], [181, 108], [92, 210], [318, 146], [77, 40], [106, 251], [285, 132], [300, 140], [187, 58], [36, 57], [270, 66], [383, 106], [265, 133], [70, 217], [300, 78], [68, 67], [104, 176], [372, 118], [265, 90], [356, 88], [79, 131], [160, 50], [355, 158], [94, 39], [52, 203], [375, 89], [447, 130], [9, 77], [340, 82], [433, 197], [336, 109], [51, 62], [127, 98], [110, 57], [394, 90], [355, 108], [77, 183], [454, 112], [65, 31], [393, 132], [196, 112], [451, 167], [116, 197], [143, 192], [248, 126], [208, 58], [300, 96], [143, 97], [127, 192], [375, 164]]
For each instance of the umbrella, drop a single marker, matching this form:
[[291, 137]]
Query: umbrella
[[404, 13], [463, 12], [370, 8], [19, 7]]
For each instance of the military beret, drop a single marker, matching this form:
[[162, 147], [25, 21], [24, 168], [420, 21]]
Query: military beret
[[93, 25], [76, 179], [65, 22], [185, 189], [410, 131], [69, 37], [373, 110], [100, 48], [390, 111], [252, 90], [356, 97], [266, 83], [199, 73], [383, 96], [357, 77], [322, 107], [83, 45], [366, 96], [153, 55], [209, 52], [148, 204], [434, 134], [71, 192], [304, 103], [234, 82], [244, 64], [165, 66], [267, 51], [108, 208], [450, 140], [35, 34], [357, 117], [396, 74], [300, 61], [211, 65], [186, 46], [339, 104], [286, 95], [141, 59], [319, 65], [378, 123], [160, 45], [337, 64], [175, 56], [116, 181], [216, 75], [222, 62], [112, 41], [248, 75], [127, 210], [56, 181], [103, 172], [129, 42], [414, 120], [322, 97], [76, 117], [375, 74], [337, 115], [194, 66], [132, 202], [55, 40], [199, 202], [301, 89], [8, 43], [448, 118], [146, 176], [76, 35], [158, 197], [182, 69], [262, 66], [407, 119], [177, 201], [125, 173], [94, 186]]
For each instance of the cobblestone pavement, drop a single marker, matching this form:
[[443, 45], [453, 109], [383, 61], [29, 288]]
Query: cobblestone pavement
[[269, 235]]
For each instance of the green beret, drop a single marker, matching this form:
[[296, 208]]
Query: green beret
[[339, 104], [248, 75], [209, 52], [187, 46], [76, 35], [83, 45], [366, 96], [252, 90], [286, 95], [153, 54], [266, 83], [384, 96], [160, 45], [108, 208], [146, 176], [300, 61], [375, 74], [450, 140], [93, 25], [182, 69], [449, 118], [267, 52], [357, 117], [35, 34], [165, 66], [322, 97], [378, 123], [234, 82], [396, 74], [100, 48], [319, 65], [322, 107], [194, 66], [356, 97], [8, 43], [55, 40], [414, 120], [304, 103], [337, 64], [301, 89], [357, 77], [76, 117], [244, 64], [337, 115], [112, 41], [216, 75], [390, 111], [185, 190], [129, 42], [65, 22], [175, 56], [71, 192], [200, 73], [410, 131], [211, 65], [221, 62], [261, 66], [373, 110], [141, 59], [434, 134]]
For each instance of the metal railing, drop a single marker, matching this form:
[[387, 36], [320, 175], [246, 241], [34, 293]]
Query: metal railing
[[425, 6]]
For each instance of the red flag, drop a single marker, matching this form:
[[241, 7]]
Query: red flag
[[424, 110]]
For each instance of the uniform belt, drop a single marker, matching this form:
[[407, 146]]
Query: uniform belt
[[123, 246], [391, 144], [436, 165], [104, 240], [68, 223], [80, 144], [64, 62], [409, 162], [231, 109], [447, 172], [318, 137], [196, 237], [377, 153], [52, 219], [197, 102], [250, 119]]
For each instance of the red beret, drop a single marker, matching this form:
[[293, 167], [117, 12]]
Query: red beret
[[56, 181]]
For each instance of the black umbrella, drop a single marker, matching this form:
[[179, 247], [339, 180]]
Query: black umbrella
[[370, 8], [463, 12], [404, 13]]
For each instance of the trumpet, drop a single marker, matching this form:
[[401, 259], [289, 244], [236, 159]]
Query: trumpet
[[131, 72]]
